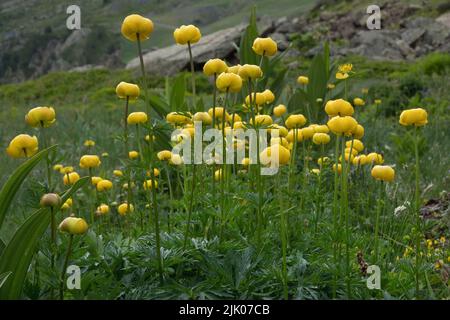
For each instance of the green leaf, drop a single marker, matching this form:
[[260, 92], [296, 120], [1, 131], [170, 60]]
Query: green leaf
[[246, 54], [14, 182], [177, 92], [2, 246], [17, 255], [3, 277], [159, 105]]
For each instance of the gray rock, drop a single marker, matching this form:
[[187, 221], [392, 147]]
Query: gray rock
[[281, 40], [444, 19], [410, 36]]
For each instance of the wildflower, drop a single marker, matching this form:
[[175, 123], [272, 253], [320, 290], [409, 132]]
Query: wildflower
[[156, 172], [295, 121], [147, 138], [66, 170], [103, 209], [262, 119], [321, 138], [71, 178], [269, 96], [41, 117], [118, 173], [359, 102], [96, 180], [339, 168], [89, 143], [264, 47], [229, 82], [178, 118], [214, 67], [74, 226], [89, 161], [358, 133], [148, 184], [439, 264], [104, 185], [282, 131], [307, 133], [322, 128], [234, 69], [323, 161], [342, 125], [50, 200], [331, 86], [250, 71], [290, 136], [22, 146], [357, 145], [66, 205], [137, 117], [258, 98], [341, 76], [377, 101], [279, 110], [417, 117], [375, 158], [246, 162], [281, 152], [339, 107], [383, 173], [187, 34], [136, 27], [58, 167], [365, 90], [125, 185], [105, 154], [125, 90], [345, 68], [315, 171], [164, 155], [218, 175], [176, 160], [302, 80], [219, 113], [203, 117], [133, 154]]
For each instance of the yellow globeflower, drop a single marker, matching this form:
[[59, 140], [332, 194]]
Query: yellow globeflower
[[229, 82], [279, 110], [58, 167], [265, 47], [219, 113], [269, 96], [214, 67], [22, 146], [41, 117], [353, 151], [148, 184], [73, 225], [323, 161], [234, 69], [302, 80], [258, 98], [360, 160], [164, 155], [262, 119], [71, 178], [187, 34], [377, 101], [66, 205], [125, 90], [282, 131], [339, 107], [203, 117], [315, 171], [417, 117], [156, 172], [321, 128], [137, 117], [104, 185], [178, 118], [134, 26], [358, 133], [89, 143], [66, 170], [359, 102], [357, 145], [250, 71], [339, 168], [342, 125], [278, 150], [218, 175], [176, 160], [341, 76], [246, 162], [89, 161], [295, 121], [290, 136], [307, 133], [103, 209], [383, 173], [96, 180], [118, 173], [133, 155], [124, 209], [321, 138], [374, 158], [239, 125]]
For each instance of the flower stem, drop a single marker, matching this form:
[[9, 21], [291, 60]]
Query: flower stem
[[191, 203], [417, 209], [63, 272], [192, 75], [335, 214]]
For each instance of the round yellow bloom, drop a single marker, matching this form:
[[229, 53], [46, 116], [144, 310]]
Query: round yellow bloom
[[137, 117], [66, 170], [58, 167], [89, 143], [417, 117], [315, 171], [239, 125], [358, 133], [290, 135], [176, 160], [148, 184], [133, 155], [360, 160], [229, 82], [104, 185], [307, 133], [214, 67], [345, 68], [279, 110], [22, 146], [124, 208], [250, 71], [234, 69], [359, 102], [262, 119], [71, 178], [219, 113], [321, 138], [357, 145], [118, 173], [89, 161], [41, 117], [342, 125], [374, 158], [156, 172], [282, 131], [265, 47], [246, 162], [383, 173], [348, 157], [323, 161], [134, 26], [302, 80], [339, 168], [74, 226], [321, 128], [147, 138], [258, 98], [277, 150], [187, 34], [295, 121], [203, 117], [331, 86], [269, 96], [103, 209], [125, 90], [66, 205], [164, 155], [339, 107], [96, 180], [353, 151], [218, 175], [178, 118], [341, 76]]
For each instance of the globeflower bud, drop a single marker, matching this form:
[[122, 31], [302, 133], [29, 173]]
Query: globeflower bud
[[126, 90], [417, 117], [133, 155], [383, 173], [339, 107], [148, 184], [269, 96], [135, 26], [187, 34], [50, 200], [164, 155], [124, 209], [265, 47], [277, 150], [250, 71], [137, 117], [203, 117], [41, 117], [295, 121], [96, 180], [71, 178], [262, 119], [321, 138], [89, 161], [229, 82], [279, 110], [73, 226], [178, 118], [214, 67], [359, 102], [342, 125], [302, 80], [104, 185], [103, 209]]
